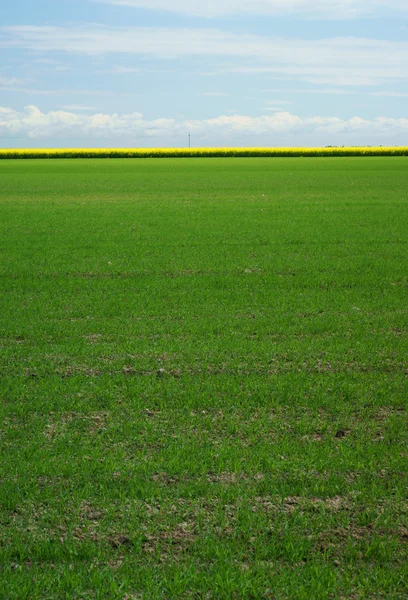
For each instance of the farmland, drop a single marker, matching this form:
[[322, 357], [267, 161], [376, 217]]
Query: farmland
[[203, 378], [328, 151]]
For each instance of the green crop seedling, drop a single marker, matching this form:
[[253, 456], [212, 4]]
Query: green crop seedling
[[203, 378]]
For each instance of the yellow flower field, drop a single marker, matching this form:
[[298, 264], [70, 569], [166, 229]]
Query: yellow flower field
[[199, 152]]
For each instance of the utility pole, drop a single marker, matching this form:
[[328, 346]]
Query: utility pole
[[189, 140]]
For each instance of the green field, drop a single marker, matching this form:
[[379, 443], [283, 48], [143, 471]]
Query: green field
[[204, 378]]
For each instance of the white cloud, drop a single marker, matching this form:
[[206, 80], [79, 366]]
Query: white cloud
[[335, 61], [326, 9], [282, 127]]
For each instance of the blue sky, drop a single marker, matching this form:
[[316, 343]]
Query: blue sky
[[134, 73]]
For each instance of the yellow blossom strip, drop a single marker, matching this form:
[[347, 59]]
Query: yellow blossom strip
[[200, 152]]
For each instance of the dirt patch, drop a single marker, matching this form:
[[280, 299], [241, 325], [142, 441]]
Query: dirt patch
[[58, 425], [120, 541], [165, 479], [93, 338], [291, 504]]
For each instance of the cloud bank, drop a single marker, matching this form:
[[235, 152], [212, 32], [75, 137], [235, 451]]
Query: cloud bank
[[325, 9], [133, 128], [335, 61]]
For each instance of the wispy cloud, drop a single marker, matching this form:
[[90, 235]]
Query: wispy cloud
[[337, 92], [125, 70], [216, 94], [11, 81], [324, 91], [356, 75], [275, 105], [390, 94], [49, 64], [274, 109], [336, 61], [79, 107], [277, 102], [58, 92], [47, 61], [324, 9], [34, 124]]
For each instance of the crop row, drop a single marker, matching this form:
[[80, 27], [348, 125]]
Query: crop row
[[199, 152]]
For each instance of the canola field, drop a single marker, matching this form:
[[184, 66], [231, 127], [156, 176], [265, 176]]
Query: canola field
[[201, 152], [203, 378]]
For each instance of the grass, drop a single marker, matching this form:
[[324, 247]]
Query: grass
[[203, 378]]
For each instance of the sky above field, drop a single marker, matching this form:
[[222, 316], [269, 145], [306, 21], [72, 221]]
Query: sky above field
[[131, 73]]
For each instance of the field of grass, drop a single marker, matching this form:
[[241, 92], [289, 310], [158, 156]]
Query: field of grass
[[203, 379]]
